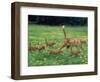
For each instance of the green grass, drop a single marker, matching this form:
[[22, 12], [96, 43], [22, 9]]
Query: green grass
[[37, 34]]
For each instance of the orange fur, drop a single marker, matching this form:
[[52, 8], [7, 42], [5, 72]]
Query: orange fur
[[33, 48], [41, 47], [55, 52], [76, 53], [50, 43]]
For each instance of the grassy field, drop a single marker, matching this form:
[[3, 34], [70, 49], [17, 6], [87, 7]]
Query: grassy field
[[37, 35]]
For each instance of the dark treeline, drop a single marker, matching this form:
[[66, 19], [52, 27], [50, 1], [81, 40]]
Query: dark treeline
[[57, 20]]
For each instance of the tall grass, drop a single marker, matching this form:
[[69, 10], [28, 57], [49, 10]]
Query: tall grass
[[37, 34]]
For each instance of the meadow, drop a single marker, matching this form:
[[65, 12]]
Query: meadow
[[37, 35]]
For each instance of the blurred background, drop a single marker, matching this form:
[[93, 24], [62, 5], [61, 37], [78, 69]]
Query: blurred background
[[58, 20]]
